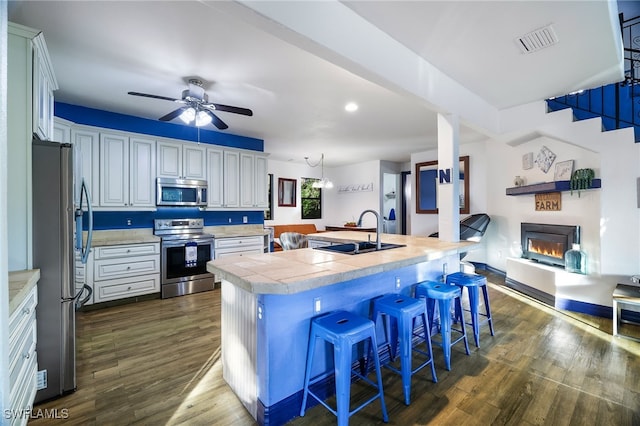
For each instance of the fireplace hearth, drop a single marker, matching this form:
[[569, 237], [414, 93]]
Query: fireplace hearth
[[547, 243]]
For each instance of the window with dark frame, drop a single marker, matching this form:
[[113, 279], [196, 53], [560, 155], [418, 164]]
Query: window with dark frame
[[310, 199]]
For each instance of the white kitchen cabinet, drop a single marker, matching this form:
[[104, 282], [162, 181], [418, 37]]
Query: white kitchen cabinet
[[44, 84], [86, 162], [239, 246], [253, 181], [126, 171], [23, 362], [142, 177], [61, 130], [126, 270], [181, 160], [223, 174]]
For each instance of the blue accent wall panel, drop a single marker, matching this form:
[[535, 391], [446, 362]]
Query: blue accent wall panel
[[129, 123], [103, 220]]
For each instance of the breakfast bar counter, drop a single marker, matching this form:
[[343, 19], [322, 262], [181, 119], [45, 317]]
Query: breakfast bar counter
[[268, 301]]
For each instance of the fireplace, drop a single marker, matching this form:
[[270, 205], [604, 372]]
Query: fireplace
[[547, 243]]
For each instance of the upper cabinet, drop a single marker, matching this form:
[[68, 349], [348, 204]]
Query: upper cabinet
[[127, 171], [44, 83], [181, 160], [253, 181], [223, 177]]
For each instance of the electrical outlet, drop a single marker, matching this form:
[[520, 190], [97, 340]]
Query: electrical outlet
[[317, 306], [128, 222], [397, 283], [229, 220], [245, 219]]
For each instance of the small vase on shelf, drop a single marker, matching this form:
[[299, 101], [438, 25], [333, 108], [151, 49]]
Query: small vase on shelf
[[518, 181], [575, 260]]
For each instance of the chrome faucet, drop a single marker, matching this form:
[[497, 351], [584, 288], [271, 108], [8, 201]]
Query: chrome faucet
[[378, 226]]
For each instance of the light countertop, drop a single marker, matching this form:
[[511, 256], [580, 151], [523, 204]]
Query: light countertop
[[145, 235], [293, 271], [20, 284]]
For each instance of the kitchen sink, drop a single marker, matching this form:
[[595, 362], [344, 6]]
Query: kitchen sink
[[363, 247]]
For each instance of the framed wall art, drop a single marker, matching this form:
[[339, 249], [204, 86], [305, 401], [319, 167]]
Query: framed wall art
[[564, 169]]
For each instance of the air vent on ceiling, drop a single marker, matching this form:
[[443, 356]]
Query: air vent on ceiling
[[538, 39]]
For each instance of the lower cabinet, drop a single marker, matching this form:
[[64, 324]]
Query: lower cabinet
[[23, 362], [238, 246], [125, 270]]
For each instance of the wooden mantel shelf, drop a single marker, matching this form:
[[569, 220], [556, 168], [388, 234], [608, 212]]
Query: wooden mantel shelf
[[539, 188]]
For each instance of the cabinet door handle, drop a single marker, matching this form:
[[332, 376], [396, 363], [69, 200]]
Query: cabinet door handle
[[26, 311], [129, 288], [26, 356]]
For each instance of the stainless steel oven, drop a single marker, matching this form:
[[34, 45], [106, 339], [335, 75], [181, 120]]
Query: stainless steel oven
[[184, 252]]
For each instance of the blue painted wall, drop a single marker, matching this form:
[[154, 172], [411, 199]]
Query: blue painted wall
[[103, 220], [129, 123]]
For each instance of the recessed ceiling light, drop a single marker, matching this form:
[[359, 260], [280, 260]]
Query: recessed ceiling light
[[351, 107]]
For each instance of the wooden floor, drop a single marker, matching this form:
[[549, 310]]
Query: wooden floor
[[157, 363]]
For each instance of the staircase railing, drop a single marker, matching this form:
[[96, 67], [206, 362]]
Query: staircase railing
[[619, 103]]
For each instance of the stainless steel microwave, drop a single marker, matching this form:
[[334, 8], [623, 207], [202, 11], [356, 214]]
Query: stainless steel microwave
[[181, 192]]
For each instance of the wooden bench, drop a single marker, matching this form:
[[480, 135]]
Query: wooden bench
[[300, 228]]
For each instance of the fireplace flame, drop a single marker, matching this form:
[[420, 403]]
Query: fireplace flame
[[547, 248]]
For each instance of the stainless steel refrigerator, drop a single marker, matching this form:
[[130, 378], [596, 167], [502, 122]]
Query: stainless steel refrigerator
[[53, 254]]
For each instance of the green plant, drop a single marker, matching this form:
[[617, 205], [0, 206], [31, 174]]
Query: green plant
[[581, 179]]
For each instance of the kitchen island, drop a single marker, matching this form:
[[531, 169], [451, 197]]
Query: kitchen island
[[268, 301]]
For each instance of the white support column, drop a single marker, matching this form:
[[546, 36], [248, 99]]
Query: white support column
[[448, 183]]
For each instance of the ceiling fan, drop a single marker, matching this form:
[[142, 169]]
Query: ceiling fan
[[197, 107]]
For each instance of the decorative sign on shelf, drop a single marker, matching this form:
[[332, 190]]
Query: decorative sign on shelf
[[549, 202], [357, 187]]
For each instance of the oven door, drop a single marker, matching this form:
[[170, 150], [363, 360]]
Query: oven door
[[185, 259]]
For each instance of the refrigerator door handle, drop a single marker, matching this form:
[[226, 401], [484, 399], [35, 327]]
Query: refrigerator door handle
[[80, 302], [84, 251]]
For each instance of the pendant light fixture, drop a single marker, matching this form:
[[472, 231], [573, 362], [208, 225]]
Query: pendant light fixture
[[323, 182]]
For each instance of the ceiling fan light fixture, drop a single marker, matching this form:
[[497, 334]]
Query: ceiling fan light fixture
[[202, 118], [188, 115]]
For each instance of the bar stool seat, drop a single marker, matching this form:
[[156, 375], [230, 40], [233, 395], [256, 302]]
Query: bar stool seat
[[473, 282], [404, 310], [343, 330], [444, 294]]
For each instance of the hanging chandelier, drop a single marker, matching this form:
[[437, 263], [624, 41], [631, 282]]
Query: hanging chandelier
[[323, 182]]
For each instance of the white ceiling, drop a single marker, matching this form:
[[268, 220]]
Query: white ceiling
[[102, 50]]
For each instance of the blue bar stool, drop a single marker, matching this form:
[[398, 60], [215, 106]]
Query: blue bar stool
[[343, 330], [444, 294], [472, 282], [404, 310]]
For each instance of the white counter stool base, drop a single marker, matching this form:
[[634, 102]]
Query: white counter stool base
[[404, 310], [444, 294], [343, 330]]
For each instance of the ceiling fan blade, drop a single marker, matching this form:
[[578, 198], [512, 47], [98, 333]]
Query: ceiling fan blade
[[146, 95], [216, 121], [172, 114], [235, 110]]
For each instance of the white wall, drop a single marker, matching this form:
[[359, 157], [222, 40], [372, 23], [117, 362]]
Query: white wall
[[291, 170], [425, 224], [609, 217], [346, 206]]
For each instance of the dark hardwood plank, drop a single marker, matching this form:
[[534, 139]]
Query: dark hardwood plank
[[158, 362]]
